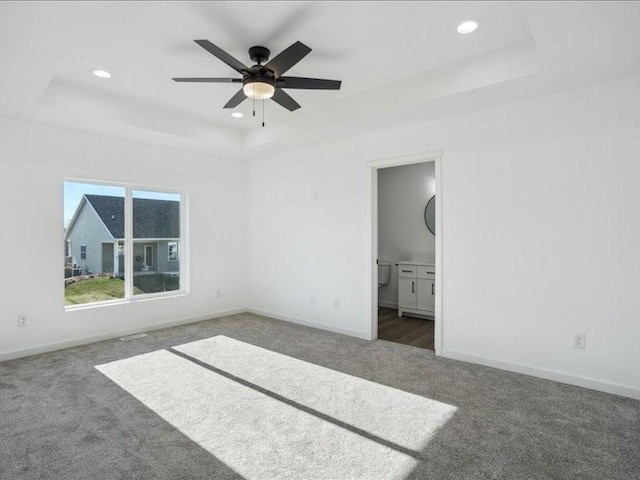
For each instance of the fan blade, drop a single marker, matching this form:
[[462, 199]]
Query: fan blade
[[208, 80], [236, 100], [288, 58], [283, 99], [308, 83], [216, 51]]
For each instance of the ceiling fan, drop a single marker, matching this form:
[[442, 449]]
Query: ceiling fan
[[261, 82]]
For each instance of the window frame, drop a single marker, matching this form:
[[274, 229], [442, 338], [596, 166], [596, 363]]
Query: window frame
[[128, 241], [83, 252]]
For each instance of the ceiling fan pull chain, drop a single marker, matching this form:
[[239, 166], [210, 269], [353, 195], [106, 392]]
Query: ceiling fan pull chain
[[263, 104], [254, 106]]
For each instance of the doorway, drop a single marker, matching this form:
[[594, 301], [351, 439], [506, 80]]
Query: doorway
[[407, 250]]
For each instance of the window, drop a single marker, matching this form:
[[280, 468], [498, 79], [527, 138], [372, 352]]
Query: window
[[172, 248], [156, 223], [134, 236]]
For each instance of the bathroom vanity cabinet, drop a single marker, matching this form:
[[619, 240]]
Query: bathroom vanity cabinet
[[416, 288]]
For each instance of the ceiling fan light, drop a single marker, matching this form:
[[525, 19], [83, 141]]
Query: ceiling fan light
[[259, 90]]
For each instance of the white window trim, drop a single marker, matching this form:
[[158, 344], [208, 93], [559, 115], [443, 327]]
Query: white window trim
[[129, 297]]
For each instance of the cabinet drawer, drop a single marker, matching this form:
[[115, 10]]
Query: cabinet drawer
[[428, 271], [407, 271]]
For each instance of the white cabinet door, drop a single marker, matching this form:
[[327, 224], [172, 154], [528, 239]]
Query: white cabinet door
[[426, 294], [407, 292]]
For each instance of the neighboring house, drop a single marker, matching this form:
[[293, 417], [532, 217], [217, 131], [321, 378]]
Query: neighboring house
[[94, 239]]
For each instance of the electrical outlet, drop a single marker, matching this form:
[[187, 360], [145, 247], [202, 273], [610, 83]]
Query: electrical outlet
[[23, 320], [336, 303], [218, 293], [579, 340], [312, 300]]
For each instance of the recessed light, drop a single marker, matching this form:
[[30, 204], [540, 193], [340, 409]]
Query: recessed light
[[237, 115], [102, 73], [467, 27]]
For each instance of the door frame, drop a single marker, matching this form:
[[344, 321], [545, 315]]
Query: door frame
[[149, 245], [375, 165]]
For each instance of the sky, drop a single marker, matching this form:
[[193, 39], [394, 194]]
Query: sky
[[73, 193]]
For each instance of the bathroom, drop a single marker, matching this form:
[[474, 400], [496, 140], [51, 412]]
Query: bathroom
[[406, 254]]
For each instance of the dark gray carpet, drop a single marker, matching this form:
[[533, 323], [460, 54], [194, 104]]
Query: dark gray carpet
[[61, 418]]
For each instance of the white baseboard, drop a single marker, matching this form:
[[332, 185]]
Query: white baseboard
[[561, 377], [387, 304], [320, 326], [50, 347]]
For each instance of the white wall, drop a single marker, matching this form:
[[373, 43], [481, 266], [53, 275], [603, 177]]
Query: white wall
[[541, 236], [34, 161], [403, 193], [540, 231]]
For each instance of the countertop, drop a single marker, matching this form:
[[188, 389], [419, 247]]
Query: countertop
[[415, 262]]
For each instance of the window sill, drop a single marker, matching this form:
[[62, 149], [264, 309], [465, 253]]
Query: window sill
[[137, 299]]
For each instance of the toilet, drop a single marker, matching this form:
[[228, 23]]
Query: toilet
[[384, 272]]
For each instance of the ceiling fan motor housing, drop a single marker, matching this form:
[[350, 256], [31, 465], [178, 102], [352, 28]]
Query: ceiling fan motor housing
[[259, 73]]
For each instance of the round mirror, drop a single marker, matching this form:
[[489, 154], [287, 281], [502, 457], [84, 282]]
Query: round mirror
[[430, 215]]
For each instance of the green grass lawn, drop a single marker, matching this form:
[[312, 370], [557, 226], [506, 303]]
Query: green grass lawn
[[102, 289], [95, 290]]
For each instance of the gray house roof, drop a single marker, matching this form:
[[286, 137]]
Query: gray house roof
[[151, 218]]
